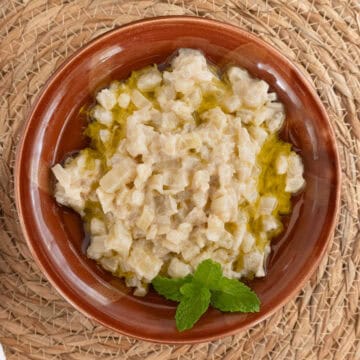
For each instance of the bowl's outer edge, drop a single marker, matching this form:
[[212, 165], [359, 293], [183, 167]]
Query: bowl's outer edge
[[225, 26]]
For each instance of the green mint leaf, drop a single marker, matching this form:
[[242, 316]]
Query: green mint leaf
[[191, 307], [189, 289], [235, 296], [170, 288], [208, 285], [208, 274]]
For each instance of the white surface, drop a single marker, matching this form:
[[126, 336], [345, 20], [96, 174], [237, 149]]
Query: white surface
[[2, 354]]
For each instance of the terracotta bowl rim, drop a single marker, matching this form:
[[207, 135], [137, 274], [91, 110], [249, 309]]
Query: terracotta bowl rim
[[164, 19]]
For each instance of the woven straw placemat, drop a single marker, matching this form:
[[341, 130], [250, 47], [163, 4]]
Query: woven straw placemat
[[322, 38]]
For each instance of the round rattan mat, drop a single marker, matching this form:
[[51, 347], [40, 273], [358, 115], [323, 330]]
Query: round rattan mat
[[323, 38]]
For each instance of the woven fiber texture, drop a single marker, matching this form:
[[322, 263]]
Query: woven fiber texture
[[323, 38]]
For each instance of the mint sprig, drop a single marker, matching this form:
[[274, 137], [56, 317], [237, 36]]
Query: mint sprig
[[234, 296], [170, 288], [207, 286], [208, 274], [195, 302]]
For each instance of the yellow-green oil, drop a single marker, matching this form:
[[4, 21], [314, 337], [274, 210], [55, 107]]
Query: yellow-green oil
[[269, 184]]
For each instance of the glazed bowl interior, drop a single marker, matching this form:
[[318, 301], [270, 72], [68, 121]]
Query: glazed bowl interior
[[55, 129]]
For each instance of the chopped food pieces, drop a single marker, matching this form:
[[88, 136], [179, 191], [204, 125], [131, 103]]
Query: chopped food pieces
[[183, 166]]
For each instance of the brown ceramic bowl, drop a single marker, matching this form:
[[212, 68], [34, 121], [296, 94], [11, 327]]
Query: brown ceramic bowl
[[54, 129]]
